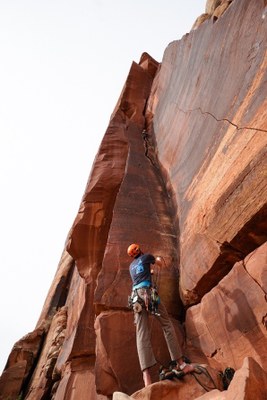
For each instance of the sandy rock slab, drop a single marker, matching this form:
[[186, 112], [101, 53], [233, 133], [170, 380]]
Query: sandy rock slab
[[167, 390], [77, 383], [249, 383], [187, 388]]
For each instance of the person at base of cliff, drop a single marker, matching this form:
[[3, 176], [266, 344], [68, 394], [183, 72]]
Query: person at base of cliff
[[140, 271]]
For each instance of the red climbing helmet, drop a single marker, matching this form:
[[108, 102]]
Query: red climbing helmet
[[133, 250]]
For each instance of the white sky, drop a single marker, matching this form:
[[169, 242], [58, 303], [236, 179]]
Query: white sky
[[63, 65]]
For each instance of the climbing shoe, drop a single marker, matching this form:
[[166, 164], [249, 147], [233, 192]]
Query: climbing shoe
[[166, 374], [171, 372]]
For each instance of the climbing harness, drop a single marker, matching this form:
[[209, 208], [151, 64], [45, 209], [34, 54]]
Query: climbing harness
[[135, 302], [150, 301]]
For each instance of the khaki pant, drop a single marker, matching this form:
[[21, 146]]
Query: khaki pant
[[143, 342]]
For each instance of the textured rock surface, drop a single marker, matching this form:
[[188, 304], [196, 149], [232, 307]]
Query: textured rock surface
[[187, 388], [230, 322], [211, 6], [181, 170], [214, 10], [42, 381], [121, 367], [208, 106], [249, 382], [21, 362]]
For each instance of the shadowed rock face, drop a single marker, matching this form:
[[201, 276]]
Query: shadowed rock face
[[181, 170]]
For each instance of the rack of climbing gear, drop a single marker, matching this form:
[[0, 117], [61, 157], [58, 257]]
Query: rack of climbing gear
[[154, 301], [150, 302], [135, 302]]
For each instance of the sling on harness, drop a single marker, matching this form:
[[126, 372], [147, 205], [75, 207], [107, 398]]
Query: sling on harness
[[135, 302], [154, 301]]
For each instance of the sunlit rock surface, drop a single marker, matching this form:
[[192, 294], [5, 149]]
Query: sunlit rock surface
[[208, 106], [181, 170], [249, 382], [230, 322]]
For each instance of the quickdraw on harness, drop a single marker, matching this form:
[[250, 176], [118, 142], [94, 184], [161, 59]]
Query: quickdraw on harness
[[135, 302], [154, 301]]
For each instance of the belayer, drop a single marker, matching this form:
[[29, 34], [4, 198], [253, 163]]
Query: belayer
[[142, 300]]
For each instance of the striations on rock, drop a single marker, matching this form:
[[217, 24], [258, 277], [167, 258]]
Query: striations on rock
[[209, 120], [211, 6], [181, 170], [121, 366], [187, 388], [21, 362], [249, 382], [229, 323]]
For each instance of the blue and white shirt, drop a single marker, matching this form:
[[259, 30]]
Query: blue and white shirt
[[140, 270]]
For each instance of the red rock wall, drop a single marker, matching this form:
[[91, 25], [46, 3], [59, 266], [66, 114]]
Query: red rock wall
[[181, 170], [230, 322], [209, 106]]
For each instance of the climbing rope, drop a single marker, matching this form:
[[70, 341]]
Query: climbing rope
[[199, 369]]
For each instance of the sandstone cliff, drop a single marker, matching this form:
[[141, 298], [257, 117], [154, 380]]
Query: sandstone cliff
[[181, 170]]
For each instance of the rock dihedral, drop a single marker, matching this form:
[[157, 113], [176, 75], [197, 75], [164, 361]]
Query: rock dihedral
[[181, 170]]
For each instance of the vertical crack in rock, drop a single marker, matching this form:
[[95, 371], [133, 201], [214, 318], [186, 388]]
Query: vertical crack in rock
[[61, 292], [145, 136], [58, 292], [35, 360], [22, 362]]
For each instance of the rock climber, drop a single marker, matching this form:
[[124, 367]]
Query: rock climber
[[140, 271]]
